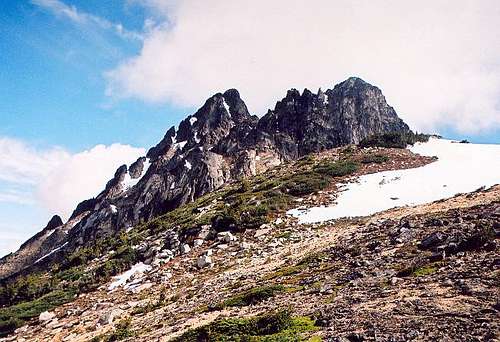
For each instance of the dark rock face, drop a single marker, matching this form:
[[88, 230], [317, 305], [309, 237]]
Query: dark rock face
[[307, 122], [54, 222], [135, 170], [220, 143]]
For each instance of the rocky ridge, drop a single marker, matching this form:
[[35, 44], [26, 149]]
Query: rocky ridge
[[217, 145]]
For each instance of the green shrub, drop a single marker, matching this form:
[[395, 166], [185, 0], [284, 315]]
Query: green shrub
[[337, 169], [8, 325], [25, 288], [275, 326], [393, 139], [14, 316], [305, 183], [121, 332], [375, 158]]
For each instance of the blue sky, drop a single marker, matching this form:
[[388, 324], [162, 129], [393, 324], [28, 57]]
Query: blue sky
[[51, 76], [88, 85]]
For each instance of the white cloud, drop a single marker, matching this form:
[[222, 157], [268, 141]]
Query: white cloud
[[23, 164], [84, 175], [9, 240], [61, 9], [54, 178], [437, 63], [16, 196]]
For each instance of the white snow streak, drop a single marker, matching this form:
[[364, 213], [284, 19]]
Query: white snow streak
[[51, 252], [188, 165], [461, 168], [192, 120], [227, 107], [180, 145]]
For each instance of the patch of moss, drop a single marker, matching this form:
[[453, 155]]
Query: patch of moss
[[418, 269], [424, 270]]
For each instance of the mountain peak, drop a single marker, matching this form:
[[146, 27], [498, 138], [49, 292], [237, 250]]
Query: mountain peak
[[221, 143], [54, 222]]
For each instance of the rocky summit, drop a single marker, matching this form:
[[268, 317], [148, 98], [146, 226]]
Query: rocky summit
[[195, 241]]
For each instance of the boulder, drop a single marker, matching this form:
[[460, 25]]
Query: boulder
[[204, 261], [432, 240], [109, 316], [46, 316], [245, 245], [185, 249], [262, 232], [226, 237]]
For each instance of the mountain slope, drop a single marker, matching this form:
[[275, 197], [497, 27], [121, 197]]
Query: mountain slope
[[409, 273], [217, 145]]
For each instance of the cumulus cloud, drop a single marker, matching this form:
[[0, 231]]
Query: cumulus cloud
[[61, 9], [437, 63], [54, 178]]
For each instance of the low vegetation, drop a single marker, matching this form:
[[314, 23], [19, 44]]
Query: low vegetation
[[337, 169], [419, 269], [250, 297], [375, 159], [274, 326], [393, 140], [25, 297], [14, 316], [122, 331]]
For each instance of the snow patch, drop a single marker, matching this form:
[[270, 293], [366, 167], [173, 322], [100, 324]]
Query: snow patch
[[75, 221], [180, 145], [461, 168], [196, 138], [172, 186], [226, 107], [51, 252], [192, 120], [114, 210], [121, 280], [130, 182], [50, 232], [188, 165]]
